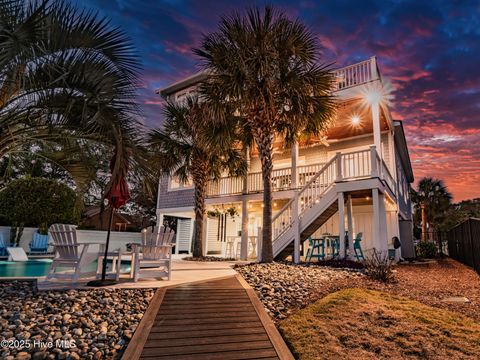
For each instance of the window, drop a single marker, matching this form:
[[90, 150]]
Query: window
[[175, 184]]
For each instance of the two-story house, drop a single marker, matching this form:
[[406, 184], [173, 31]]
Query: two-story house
[[353, 179]]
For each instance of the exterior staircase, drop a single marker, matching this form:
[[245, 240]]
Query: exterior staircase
[[309, 209], [317, 201]]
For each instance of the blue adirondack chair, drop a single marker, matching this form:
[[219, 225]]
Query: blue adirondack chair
[[39, 243], [357, 247], [315, 244]]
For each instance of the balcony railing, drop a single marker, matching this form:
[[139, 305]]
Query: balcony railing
[[348, 166], [356, 74], [281, 180]]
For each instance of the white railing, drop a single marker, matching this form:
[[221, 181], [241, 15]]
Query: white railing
[[385, 174], [343, 167], [356, 164], [305, 198], [281, 180], [306, 172], [225, 186], [348, 166], [356, 74]]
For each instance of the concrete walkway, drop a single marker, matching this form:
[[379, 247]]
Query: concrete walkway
[[219, 319], [182, 272]]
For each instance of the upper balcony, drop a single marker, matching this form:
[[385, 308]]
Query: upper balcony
[[345, 78], [356, 74], [350, 166]]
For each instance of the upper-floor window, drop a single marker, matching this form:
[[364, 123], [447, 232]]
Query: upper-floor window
[[175, 184], [182, 95]]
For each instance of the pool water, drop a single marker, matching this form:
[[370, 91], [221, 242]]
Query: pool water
[[40, 267]]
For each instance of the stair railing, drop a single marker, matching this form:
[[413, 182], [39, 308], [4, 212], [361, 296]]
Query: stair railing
[[304, 198]]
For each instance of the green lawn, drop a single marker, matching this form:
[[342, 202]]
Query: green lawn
[[366, 324]]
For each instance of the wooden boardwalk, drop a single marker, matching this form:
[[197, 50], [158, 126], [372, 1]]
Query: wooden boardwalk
[[220, 319]]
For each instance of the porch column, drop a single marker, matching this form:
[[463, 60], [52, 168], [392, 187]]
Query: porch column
[[379, 222], [294, 171], [160, 219], [245, 178], [205, 234], [377, 136], [341, 224], [350, 226], [244, 243]]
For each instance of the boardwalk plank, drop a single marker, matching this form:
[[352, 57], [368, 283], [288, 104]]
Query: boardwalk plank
[[185, 334], [162, 328], [230, 355], [226, 339], [214, 320], [209, 348], [209, 315]]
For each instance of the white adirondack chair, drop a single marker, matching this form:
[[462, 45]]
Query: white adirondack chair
[[154, 252], [68, 253]]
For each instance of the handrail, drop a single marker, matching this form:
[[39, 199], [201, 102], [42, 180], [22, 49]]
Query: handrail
[[306, 185], [288, 213], [357, 74]]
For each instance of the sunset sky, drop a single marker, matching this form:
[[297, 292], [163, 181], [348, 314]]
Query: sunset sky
[[429, 49]]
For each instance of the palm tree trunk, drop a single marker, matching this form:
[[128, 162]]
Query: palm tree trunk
[[200, 181], [264, 142]]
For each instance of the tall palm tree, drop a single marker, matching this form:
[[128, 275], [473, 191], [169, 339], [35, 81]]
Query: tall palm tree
[[266, 67], [65, 74], [188, 149], [432, 200]]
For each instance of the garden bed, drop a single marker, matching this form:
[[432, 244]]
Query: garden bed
[[100, 322], [369, 324], [285, 288]]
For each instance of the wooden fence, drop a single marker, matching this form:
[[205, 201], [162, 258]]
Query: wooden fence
[[464, 243]]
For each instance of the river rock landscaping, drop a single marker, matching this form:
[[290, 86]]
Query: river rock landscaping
[[101, 321], [284, 288]]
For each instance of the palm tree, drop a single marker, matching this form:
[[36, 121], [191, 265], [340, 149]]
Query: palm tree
[[266, 67], [188, 150], [432, 200], [65, 75]]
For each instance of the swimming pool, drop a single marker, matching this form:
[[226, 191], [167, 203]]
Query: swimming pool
[[39, 267]]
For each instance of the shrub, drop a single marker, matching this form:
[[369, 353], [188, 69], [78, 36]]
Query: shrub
[[340, 263], [37, 202], [426, 249], [379, 267]]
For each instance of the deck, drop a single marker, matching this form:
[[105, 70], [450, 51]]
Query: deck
[[219, 319]]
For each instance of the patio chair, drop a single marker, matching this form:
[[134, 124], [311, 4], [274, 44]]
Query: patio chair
[[315, 244], [69, 253], [16, 254], [357, 248], [39, 244], [155, 252]]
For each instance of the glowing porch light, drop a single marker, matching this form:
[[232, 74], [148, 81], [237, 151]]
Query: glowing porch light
[[355, 119]]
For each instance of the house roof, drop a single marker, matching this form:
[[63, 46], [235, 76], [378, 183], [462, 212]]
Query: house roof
[[402, 147], [182, 84]]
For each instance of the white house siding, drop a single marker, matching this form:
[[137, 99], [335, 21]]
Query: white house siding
[[362, 222], [214, 245]]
